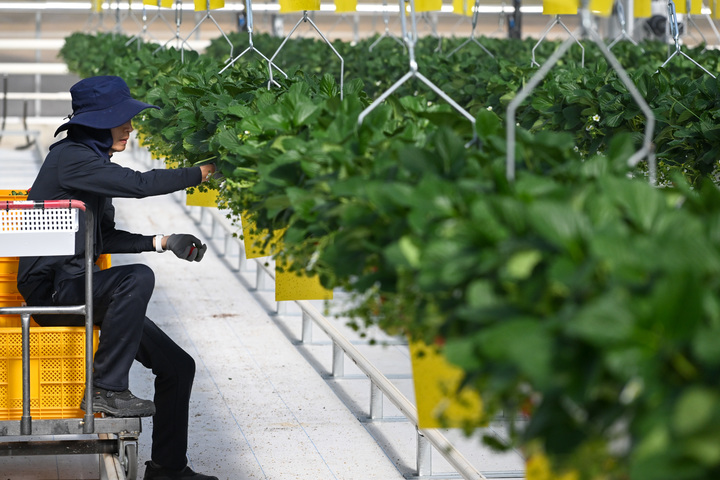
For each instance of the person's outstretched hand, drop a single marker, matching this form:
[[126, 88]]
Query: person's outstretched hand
[[187, 247]]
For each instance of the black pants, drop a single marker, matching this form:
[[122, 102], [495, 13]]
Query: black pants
[[120, 296]]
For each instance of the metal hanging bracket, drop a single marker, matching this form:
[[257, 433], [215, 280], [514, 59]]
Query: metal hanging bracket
[[352, 22], [207, 16], [646, 151], [305, 18], [145, 32], [557, 21], [472, 33], [410, 41], [178, 21], [620, 12], [691, 21], [251, 48], [386, 33], [675, 31]]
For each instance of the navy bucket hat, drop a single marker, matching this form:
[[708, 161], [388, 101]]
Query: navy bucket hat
[[102, 102]]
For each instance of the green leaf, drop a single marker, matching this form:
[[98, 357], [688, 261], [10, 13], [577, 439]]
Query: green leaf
[[694, 410]]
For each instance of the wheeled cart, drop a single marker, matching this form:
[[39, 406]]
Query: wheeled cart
[[55, 363]]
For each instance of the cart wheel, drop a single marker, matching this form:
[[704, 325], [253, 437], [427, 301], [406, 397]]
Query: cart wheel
[[130, 461]]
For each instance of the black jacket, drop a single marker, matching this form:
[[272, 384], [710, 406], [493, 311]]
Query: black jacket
[[74, 170]]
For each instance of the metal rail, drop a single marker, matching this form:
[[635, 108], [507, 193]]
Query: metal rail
[[380, 384]]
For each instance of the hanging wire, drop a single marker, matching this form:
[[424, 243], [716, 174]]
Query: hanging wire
[[672, 17], [145, 30], [556, 21], [131, 14], [432, 25], [501, 19], [714, 29], [646, 151], [620, 13], [411, 41], [207, 16], [305, 18], [472, 34], [691, 22], [251, 48], [96, 20], [386, 33], [178, 22]]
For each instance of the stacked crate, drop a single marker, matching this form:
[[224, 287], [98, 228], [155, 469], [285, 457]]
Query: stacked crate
[[57, 354]]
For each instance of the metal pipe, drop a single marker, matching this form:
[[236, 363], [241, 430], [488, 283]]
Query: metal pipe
[[26, 419], [338, 360], [89, 419], [423, 456], [306, 329], [435, 437], [376, 402]]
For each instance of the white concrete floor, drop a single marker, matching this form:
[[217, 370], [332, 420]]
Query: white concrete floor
[[261, 405]]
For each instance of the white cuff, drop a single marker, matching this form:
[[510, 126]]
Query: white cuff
[[158, 243]]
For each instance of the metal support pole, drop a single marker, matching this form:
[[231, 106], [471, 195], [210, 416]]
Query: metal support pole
[[338, 362], [26, 419], [424, 455], [306, 336], [38, 80], [259, 279], [89, 419], [376, 402]]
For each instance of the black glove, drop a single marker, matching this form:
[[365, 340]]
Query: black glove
[[186, 247]]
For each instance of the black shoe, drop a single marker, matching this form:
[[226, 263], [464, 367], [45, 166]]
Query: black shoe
[[156, 472], [119, 404]]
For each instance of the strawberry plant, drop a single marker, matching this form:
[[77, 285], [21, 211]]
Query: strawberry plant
[[578, 294]]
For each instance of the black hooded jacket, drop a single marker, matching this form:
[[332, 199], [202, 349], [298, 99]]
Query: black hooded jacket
[[79, 168]]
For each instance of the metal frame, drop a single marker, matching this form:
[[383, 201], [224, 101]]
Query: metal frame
[[410, 38], [472, 33], [178, 22], [127, 429], [556, 21], [380, 385], [144, 31], [386, 33], [305, 18], [248, 9], [207, 15], [675, 32], [620, 13], [586, 26]]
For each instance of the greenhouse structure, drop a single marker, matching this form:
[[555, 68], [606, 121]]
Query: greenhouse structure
[[424, 239]]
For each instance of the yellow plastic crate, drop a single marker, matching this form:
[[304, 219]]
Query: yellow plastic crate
[[13, 195], [57, 372], [8, 285], [8, 265]]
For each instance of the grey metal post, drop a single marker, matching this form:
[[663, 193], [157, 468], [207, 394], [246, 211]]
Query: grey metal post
[[424, 455], [307, 329], [38, 80], [376, 401], [338, 364], [89, 419], [26, 420]]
